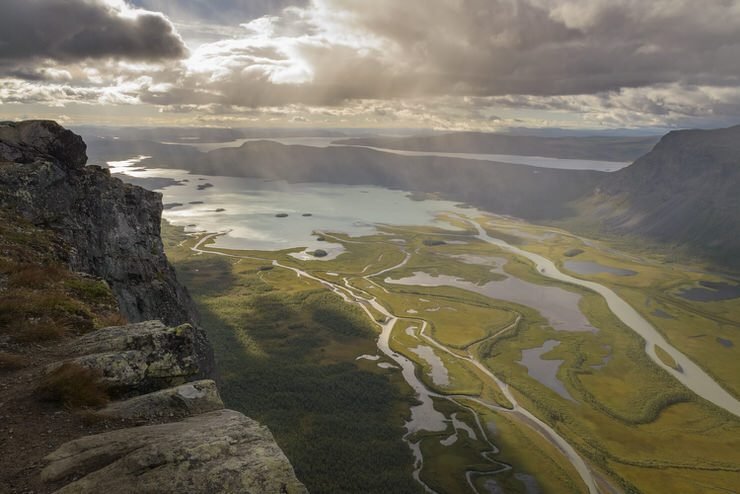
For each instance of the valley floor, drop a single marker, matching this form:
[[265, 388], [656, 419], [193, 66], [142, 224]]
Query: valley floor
[[495, 375]]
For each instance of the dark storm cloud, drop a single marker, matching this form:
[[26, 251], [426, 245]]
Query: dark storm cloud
[[74, 30], [556, 47], [333, 51], [227, 12]]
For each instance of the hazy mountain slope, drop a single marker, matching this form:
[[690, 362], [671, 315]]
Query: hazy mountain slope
[[594, 148], [529, 192], [535, 193], [189, 135], [686, 191], [101, 150]]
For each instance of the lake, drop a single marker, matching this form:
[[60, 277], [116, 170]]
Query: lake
[[545, 370], [557, 305], [710, 291], [592, 267], [246, 208]]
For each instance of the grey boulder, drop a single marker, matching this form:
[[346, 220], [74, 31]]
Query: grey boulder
[[140, 357]]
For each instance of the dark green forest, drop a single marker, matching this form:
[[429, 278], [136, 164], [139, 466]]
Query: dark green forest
[[341, 425]]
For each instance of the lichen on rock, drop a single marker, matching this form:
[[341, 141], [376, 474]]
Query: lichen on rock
[[140, 357]]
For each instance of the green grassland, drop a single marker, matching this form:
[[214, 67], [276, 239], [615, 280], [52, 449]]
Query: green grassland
[[286, 349], [521, 445]]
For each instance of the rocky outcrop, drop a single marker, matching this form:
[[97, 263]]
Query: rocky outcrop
[[27, 142], [110, 229], [188, 399], [140, 357], [200, 448], [221, 451]]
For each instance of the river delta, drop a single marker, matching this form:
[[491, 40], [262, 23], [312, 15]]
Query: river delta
[[530, 371]]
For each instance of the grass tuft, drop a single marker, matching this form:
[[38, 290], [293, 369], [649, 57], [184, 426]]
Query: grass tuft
[[90, 290], [34, 276], [72, 385], [40, 331]]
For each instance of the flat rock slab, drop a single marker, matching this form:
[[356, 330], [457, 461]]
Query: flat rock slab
[[185, 400], [222, 451], [139, 357]]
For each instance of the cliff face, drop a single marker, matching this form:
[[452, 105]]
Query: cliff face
[[110, 229]]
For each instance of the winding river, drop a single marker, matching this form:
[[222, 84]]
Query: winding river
[[424, 416], [691, 375]]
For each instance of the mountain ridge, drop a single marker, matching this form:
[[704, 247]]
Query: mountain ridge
[[685, 192], [606, 148]]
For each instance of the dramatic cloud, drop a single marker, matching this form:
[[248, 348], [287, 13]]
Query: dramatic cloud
[[225, 12], [554, 47], [347, 49], [336, 51], [72, 30], [445, 63]]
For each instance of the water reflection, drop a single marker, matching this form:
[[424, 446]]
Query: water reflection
[[557, 305], [545, 371], [592, 267]]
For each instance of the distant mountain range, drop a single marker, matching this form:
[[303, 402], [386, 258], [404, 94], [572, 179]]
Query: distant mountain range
[[534, 193], [191, 135], [685, 191], [604, 148]]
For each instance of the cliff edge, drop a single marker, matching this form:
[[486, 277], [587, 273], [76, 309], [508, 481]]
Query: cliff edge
[[106, 375], [112, 229]]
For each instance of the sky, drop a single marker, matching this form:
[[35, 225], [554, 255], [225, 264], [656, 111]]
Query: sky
[[483, 65]]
